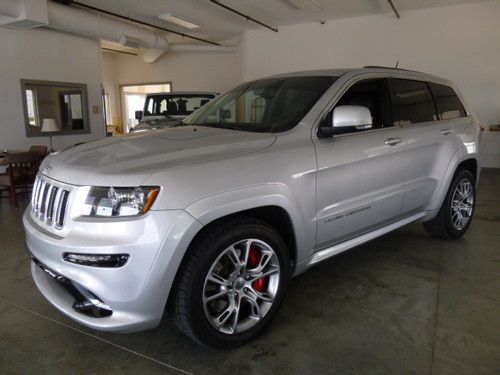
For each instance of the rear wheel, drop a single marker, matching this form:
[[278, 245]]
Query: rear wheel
[[455, 215], [232, 283]]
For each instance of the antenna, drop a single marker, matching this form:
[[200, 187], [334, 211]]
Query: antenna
[[397, 63]]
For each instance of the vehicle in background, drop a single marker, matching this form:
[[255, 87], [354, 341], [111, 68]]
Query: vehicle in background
[[166, 109]]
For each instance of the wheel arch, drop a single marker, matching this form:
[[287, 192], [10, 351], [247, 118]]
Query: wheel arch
[[458, 161]]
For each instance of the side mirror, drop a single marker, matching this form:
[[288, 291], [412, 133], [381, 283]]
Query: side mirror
[[138, 115], [345, 116]]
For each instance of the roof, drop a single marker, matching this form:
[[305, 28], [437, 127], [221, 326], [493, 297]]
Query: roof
[[179, 93], [372, 69]]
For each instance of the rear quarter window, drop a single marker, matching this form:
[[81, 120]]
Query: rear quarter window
[[448, 104]]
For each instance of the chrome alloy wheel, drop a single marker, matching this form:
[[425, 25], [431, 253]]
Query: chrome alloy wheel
[[462, 204], [241, 286]]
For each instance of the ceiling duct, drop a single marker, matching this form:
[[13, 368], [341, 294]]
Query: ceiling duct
[[23, 14], [32, 13]]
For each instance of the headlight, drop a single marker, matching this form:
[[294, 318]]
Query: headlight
[[119, 201]]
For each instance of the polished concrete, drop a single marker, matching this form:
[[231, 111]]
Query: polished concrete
[[402, 304]]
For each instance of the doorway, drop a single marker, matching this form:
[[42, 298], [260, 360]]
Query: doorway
[[133, 97]]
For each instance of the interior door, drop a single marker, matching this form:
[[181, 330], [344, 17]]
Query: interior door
[[360, 181]]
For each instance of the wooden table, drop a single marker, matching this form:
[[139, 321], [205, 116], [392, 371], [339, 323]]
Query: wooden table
[[3, 154]]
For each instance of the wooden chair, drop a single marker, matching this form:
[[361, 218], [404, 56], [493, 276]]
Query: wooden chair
[[40, 150], [20, 175]]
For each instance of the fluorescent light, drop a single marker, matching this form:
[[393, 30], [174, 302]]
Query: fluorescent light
[[306, 5], [169, 17]]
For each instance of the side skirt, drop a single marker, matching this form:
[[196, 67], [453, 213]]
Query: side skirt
[[343, 246]]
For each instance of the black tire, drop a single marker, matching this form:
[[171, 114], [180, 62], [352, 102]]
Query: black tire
[[442, 226], [188, 309]]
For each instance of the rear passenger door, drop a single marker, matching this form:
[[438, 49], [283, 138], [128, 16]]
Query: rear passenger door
[[430, 140]]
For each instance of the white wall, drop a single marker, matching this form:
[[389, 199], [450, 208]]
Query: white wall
[[188, 71], [214, 71], [45, 55], [461, 43], [110, 82]]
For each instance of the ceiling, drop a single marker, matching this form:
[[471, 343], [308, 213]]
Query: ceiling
[[219, 24]]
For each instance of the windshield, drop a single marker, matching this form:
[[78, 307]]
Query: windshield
[[269, 105], [175, 105]]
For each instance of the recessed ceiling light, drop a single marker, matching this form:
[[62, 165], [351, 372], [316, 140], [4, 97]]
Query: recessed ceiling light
[[169, 17], [307, 5]]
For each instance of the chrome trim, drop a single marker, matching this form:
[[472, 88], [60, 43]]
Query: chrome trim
[[49, 201]]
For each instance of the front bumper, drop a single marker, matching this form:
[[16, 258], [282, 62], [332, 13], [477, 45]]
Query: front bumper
[[135, 293]]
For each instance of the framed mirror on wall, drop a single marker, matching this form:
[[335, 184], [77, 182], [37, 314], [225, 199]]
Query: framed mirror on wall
[[54, 108]]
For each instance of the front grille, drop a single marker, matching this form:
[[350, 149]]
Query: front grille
[[49, 202]]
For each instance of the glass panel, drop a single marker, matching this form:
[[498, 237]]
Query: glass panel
[[32, 109], [283, 103], [447, 102], [411, 102]]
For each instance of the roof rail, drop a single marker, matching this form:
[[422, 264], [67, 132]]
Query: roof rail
[[388, 67]]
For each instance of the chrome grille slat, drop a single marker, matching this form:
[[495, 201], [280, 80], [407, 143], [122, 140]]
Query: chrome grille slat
[[38, 200], [49, 202], [45, 196], [50, 207], [35, 189], [61, 213]]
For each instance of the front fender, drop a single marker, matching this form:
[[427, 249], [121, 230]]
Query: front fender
[[237, 200]]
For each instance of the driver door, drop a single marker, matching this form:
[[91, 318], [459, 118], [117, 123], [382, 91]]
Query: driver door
[[360, 180]]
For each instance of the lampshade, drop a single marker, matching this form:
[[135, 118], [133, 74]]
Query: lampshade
[[49, 125]]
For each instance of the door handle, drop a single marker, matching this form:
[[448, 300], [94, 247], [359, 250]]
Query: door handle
[[392, 141], [446, 131]]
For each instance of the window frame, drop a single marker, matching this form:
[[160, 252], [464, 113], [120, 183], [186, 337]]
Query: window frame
[[426, 83], [438, 115], [348, 86]]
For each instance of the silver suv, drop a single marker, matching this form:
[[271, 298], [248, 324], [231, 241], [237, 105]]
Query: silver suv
[[212, 217]]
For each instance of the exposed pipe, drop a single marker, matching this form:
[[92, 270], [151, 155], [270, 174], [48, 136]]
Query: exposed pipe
[[246, 16], [393, 8], [84, 23], [100, 10]]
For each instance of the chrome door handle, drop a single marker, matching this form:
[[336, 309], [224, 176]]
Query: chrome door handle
[[446, 131], [392, 141]]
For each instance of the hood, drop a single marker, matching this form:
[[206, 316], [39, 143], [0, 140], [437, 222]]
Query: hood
[[155, 123], [129, 160]]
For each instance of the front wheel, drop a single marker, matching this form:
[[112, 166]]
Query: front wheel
[[232, 283], [455, 215]]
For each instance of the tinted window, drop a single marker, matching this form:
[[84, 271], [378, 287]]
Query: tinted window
[[372, 94], [411, 102], [269, 105], [447, 102]]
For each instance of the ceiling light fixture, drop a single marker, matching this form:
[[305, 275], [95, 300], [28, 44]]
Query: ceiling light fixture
[[169, 17]]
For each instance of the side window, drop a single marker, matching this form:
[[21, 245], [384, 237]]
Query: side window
[[411, 102], [447, 102], [370, 93]]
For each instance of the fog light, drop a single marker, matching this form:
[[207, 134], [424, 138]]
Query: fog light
[[96, 260]]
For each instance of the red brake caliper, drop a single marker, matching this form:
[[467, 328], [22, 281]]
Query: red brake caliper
[[253, 260]]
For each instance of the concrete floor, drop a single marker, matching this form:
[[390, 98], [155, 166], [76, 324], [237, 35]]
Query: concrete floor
[[402, 304]]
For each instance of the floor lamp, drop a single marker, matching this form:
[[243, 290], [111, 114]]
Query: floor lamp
[[49, 125]]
